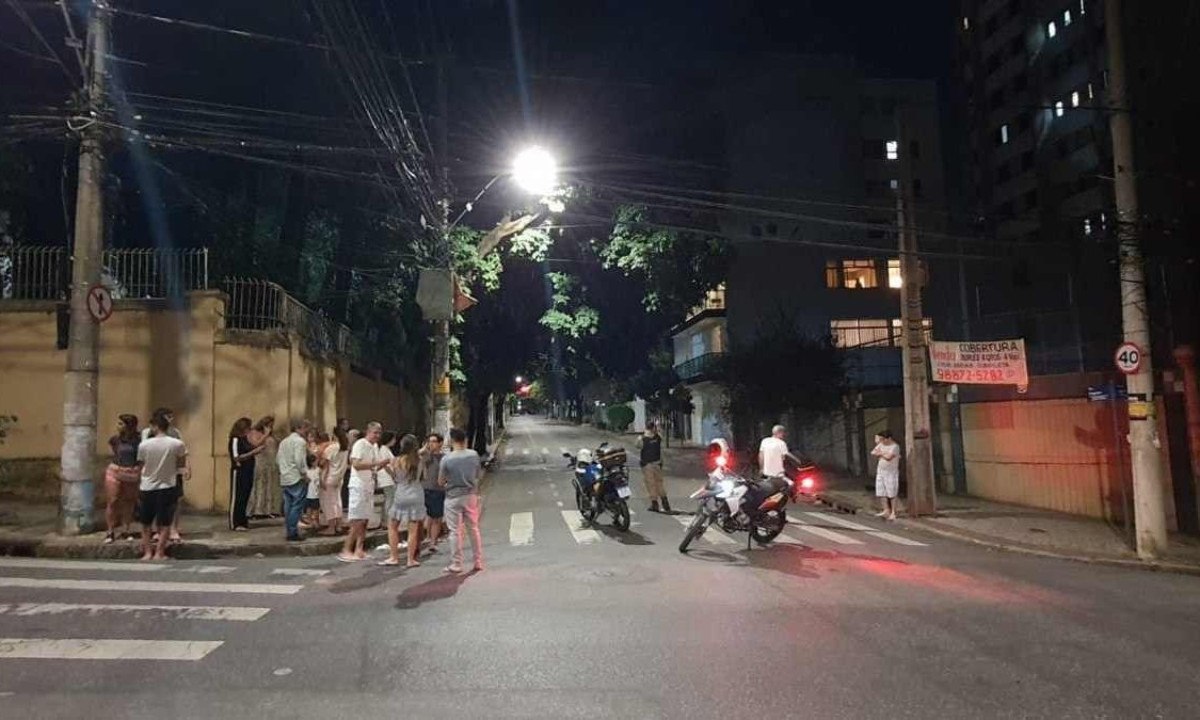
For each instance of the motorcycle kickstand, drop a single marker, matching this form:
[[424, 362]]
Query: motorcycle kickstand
[[749, 537]]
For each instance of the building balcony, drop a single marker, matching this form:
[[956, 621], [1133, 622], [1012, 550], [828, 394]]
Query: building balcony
[[699, 369]]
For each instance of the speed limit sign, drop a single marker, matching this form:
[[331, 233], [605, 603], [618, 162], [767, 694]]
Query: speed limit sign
[[1128, 358]]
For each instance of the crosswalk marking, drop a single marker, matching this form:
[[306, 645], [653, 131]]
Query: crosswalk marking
[[545, 451], [712, 534], [525, 451], [85, 649], [109, 565], [582, 535], [178, 612], [826, 533], [520, 528], [148, 586], [299, 572], [841, 522]]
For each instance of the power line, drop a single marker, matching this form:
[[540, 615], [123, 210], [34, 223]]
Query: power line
[[24, 17]]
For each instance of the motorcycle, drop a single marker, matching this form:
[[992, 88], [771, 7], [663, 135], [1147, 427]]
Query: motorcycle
[[738, 504], [601, 484]]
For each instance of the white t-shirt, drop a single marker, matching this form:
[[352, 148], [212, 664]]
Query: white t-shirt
[[367, 452], [384, 477], [772, 450], [160, 458], [888, 469]]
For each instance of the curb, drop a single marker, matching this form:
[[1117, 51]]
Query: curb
[[847, 505], [22, 547]]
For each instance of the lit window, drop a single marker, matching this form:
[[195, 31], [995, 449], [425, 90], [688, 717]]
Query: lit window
[[1075, 99], [1004, 134], [1067, 18], [1091, 92], [966, 23], [859, 274], [1087, 227], [893, 149], [1051, 29], [860, 333], [895, 279], [894, 184], [833, 274], [1059, 109]]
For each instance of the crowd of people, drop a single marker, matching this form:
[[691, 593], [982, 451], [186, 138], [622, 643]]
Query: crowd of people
[[320, 483]]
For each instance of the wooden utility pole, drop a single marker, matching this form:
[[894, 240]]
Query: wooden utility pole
[[918, 443], [1149, 509], [82, 376]]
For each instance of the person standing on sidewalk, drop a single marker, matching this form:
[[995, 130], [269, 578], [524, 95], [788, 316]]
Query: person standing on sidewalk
[[121, 477], [172, 431], [649, 445], [887, 473], [383, 479], [266, 500], [162, 458], [365, 463], [459, 475], [242, 456], [337, 455], [408, 509], [292, 459], [435, 497]]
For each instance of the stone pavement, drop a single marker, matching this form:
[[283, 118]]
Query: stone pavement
[[1021, 529]]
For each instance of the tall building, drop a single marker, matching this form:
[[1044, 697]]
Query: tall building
[[1032, 98]]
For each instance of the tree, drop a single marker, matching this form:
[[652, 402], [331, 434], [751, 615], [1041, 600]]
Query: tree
[[782, 371], [677, 268]]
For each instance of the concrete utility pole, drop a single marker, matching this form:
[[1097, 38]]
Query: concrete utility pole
[[1149, 510], [440, 381], [918, 444], [83, 343]]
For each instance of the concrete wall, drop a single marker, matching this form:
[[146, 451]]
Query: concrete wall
[[153, 356]]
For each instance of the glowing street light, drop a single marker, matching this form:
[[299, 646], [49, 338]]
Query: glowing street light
[[536, 171], [520, 379]]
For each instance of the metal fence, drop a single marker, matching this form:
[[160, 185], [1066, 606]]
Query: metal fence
[[261, 305], [31, 272]]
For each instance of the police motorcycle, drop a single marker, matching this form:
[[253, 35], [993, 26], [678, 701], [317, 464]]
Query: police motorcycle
[[735, 503], [601, 484]]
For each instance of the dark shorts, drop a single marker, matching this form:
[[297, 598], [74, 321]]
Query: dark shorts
[[157, 505], [178, 487], [435, 503]]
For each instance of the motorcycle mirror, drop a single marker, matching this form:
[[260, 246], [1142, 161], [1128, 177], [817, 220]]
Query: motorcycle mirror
[[567, 455], [603, 445]]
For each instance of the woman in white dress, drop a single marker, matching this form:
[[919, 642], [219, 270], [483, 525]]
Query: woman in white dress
[[887, 473]]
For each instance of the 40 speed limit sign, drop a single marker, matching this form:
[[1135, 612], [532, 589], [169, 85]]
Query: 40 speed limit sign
[[1128, 358]]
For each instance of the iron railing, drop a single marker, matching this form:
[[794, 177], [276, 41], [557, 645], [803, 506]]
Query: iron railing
[[261, 305], [704, 366], [32, 272]]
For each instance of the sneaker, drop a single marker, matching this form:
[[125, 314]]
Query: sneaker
[[109, 538]]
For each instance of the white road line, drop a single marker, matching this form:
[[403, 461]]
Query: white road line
[[299, 571], [525, 451], [582, 535], [711, 533], [110, 566], [179, 612], [148, 586], [85, 649], [866, 529], [895, 538], [825, 533], [785, 539], [545, 451], [520, 529]]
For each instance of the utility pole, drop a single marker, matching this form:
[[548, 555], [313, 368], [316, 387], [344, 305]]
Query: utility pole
[[1149, 510], [440, 371], [80, 390], [918, 443]]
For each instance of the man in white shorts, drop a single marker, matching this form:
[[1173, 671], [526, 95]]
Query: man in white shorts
[[771, 452], [366, 460]]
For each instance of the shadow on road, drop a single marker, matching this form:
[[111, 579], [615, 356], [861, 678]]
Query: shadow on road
[[437, 589], [629, 537], [716, 556], [372, 578]]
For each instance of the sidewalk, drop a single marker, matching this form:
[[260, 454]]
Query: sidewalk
[[1021, 529], [29, 529]]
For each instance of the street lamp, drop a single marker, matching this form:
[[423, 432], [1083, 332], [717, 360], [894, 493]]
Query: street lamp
[[535, 171], [520, 379]]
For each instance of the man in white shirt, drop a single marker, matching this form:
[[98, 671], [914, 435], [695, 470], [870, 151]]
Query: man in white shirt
[[366, 460], [184, 471], [161, 457], [292, 460], [771, 452]]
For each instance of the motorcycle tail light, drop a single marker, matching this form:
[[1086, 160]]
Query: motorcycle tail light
[[807, 483], [722, 461]]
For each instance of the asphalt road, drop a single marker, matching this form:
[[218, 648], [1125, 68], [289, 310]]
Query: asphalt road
[[848, 618]]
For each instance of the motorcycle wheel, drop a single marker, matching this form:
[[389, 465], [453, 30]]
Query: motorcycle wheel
[[588, 508], [695, 530], [621, 515], [764, 535]]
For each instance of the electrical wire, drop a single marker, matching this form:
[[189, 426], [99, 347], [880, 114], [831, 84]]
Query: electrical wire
[[24, 17]]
